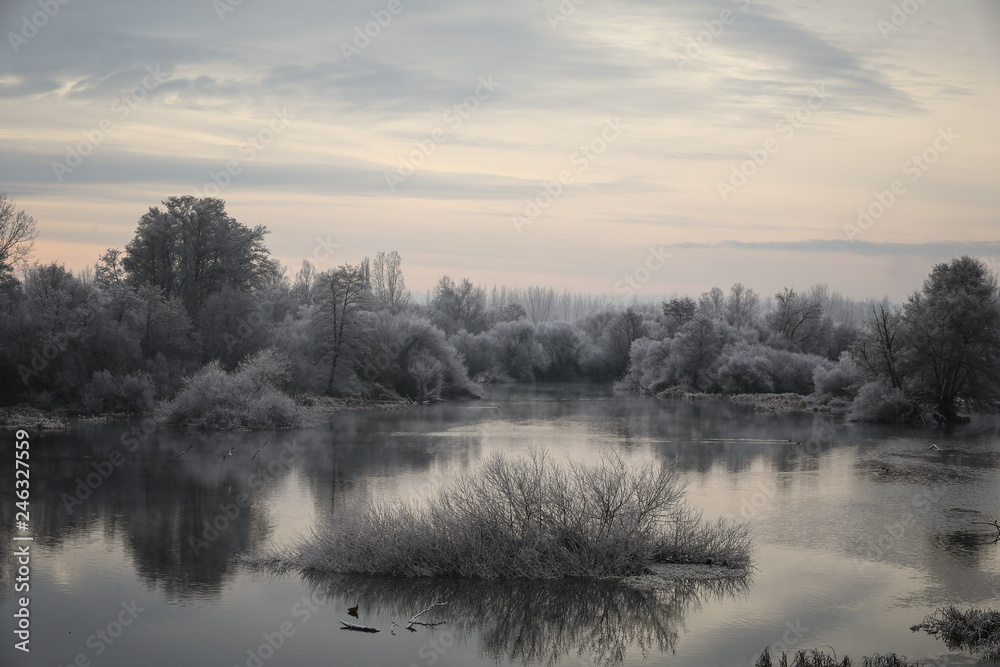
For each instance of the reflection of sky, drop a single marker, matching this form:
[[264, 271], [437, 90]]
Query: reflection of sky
[[687, 128], [820, 512]]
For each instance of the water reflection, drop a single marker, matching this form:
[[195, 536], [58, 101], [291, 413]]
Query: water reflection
[[532, 621]]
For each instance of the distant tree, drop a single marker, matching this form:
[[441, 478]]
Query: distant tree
[[512, 312], [953, 334], [742, 306], [539, 303], [515, 349], [305, 282], [681, 310], [18, 232], [880, 351], [388, 285], [455, 307], [797, 319], [628, 327], [192, 248], [343, 296], [713, 303], [562, 344], [695, 348]]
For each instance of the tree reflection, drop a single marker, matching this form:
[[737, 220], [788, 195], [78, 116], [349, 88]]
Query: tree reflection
[[538, 621]]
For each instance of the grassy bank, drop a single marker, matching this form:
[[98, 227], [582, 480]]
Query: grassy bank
[[527, 517], [816, 658], [975, 630]]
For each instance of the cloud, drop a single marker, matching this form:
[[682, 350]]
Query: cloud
[[867, 248]]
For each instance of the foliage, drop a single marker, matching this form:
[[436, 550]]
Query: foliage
[[407, 356], [880, 402], [18, 232], [529, 517], [975, 630], [943, 348], [248, 398], [456, 307], [388, 284], [817, 658], [192, 248], [109, 392]]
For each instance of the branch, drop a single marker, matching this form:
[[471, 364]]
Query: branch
[[414, 619], [995, 524], [359, 628]]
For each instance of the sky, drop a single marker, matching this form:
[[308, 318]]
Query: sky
[[629, 148]]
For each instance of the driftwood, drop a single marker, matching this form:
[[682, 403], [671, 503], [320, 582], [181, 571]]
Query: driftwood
[[359, 628]]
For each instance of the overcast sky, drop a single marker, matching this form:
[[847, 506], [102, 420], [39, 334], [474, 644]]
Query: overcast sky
[[740, 138]]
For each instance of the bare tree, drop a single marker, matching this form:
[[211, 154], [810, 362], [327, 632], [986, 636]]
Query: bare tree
[[344, 294], [713, 303], [388, 285], [880, 350], [797, 319], [539, 303], [18, 232], [742, 306]]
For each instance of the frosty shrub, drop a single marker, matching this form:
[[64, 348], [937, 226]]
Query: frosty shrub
[[247, 398], [881, 402], [110, 392], [742, 370], [527, 517], [840, 381]]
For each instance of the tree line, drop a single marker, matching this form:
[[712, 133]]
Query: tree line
[[193, 308]]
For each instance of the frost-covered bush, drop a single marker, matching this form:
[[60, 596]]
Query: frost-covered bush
[[527, 517], [792, 371], [880, 402], [648, 369], [743, 370], [839, 381], [111, 392], [407, 356], [247, 398]]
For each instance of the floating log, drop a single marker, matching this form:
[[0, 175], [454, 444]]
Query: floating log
[[359, 628]]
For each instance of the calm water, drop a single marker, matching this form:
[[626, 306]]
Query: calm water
[[861, 532]]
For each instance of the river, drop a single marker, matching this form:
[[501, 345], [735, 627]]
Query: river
[[860, 532]]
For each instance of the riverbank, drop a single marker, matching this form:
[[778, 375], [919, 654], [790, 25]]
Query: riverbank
[[313, 411], [766, 403]]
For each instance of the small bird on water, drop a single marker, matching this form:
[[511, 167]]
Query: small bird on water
[[933, 446], [353, 611]]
